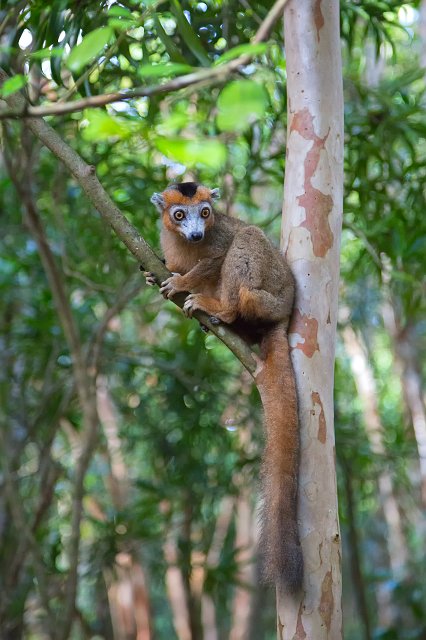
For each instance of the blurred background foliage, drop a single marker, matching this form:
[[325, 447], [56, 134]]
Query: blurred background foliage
[[168, 531]]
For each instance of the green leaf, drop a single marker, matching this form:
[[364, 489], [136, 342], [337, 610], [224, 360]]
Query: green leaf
[[121, 18], [89, 47], [163, 70], [102, 126], [120, 24], [188, 34], [41, 54], [240, 103], [171, 48], [120, 12], [12, 85], [242, 49], [210, 153]]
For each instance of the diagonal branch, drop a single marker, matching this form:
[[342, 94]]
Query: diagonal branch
[[85, 175], [212, 75]]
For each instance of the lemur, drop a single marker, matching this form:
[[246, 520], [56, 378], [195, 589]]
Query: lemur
[[233, 273]]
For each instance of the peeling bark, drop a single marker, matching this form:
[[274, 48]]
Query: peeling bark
[[311, 232], [304, 333]]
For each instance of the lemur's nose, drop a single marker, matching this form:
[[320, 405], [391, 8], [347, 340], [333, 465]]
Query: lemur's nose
[[196, 236]]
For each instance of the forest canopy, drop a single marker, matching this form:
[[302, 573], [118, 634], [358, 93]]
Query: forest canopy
[[130, 440]]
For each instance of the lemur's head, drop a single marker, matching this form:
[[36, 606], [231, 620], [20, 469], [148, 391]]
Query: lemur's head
[[187, 209]]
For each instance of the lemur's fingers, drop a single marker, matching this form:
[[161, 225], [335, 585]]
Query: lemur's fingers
[[168, 287], [167, 290], [149, 278], [214, 320], [189, 306]]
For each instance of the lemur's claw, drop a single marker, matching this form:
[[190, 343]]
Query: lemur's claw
[[189, 306], [214, 320], [203, 328], [149, 278]]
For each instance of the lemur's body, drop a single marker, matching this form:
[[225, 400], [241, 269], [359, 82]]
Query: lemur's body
[[235, 275]]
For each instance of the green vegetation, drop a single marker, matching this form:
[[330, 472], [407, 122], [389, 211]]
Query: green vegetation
[[169, 506]]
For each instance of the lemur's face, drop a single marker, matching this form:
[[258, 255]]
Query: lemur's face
[[187, 209], [192, 220]]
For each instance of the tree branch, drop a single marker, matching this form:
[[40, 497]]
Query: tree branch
[[124, 296], [86, 177], [83, 381], [214, 74], [27, 537]]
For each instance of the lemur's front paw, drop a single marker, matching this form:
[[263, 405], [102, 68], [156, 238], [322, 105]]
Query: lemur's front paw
[[171, 286], [149, 278]]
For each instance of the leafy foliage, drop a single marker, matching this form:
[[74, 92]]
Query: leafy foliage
[[181, 428]]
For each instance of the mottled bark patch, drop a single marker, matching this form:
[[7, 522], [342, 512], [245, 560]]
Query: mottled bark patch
[[307, 329], [318, 18], [322, 427], [300, 629], [327, 601], [317, 204]]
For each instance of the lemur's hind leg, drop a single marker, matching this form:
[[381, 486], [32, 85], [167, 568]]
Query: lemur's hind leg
[[260, 304], [248, 285]]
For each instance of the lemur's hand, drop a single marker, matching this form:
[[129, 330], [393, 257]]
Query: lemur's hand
[[149, 278], [172, 285]]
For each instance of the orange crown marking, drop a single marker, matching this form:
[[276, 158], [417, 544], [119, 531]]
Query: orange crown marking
[[173, 196]]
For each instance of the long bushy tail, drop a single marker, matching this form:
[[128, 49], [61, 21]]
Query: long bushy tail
[[279, 542]]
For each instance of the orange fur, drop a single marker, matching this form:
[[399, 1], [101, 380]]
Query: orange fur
[[173, 196]]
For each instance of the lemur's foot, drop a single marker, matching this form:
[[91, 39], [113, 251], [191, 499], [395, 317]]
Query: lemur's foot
[[191, 305], [195, 301], [149, 278], [171, 286]]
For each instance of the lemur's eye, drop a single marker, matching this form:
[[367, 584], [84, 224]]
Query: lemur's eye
[[205, 212], [179, 215]]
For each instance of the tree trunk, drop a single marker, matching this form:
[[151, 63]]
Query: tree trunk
[[354, 551], [311, 233], [367, 392], [406, 360], [395, 543]]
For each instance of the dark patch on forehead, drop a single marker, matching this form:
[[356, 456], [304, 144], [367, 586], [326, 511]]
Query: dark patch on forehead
[[187, 189]]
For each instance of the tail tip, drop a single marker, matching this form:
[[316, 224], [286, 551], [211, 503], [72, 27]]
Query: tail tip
[[286, 572]]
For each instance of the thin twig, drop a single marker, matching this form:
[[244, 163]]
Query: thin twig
[[107, 55], [367, 244], [213, 74], [95, 347]]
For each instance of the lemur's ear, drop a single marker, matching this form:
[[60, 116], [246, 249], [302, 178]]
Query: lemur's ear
[[215, 194], [158, 200]]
